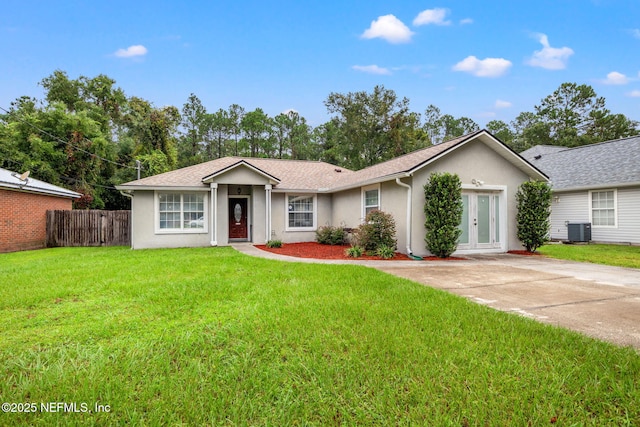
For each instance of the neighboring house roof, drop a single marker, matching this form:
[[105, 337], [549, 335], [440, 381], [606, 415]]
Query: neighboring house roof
[[11, 180], [606, 164], [319, 176]]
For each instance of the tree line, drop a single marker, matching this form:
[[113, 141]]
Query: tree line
[[88, 135]]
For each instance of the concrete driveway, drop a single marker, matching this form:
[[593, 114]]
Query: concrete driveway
[[597, 300]]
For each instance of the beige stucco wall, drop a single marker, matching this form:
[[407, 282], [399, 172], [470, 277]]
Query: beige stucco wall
[[347, 208], [241, 175], [471, 161], [279, 218], [143, 220]]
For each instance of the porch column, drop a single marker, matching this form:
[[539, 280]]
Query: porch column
[[214, 213], [267, 216]]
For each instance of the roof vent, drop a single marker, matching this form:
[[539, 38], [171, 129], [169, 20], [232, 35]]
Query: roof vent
[[537, 157], [338, 170]]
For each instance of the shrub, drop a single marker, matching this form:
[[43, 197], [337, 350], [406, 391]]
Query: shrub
[[534, 207], [354, 252], [443, 212], [274, 244], [328, 235], [379, 229], [385, 252]]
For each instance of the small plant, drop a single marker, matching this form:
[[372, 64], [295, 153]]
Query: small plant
[[534, 207], [354, 252], [385, 252], [379, 229], [329, 235], [274, 244]]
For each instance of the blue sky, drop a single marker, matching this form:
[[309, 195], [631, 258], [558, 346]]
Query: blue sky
[[484, 60]]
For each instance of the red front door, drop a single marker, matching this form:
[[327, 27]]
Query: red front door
[[238, 218]]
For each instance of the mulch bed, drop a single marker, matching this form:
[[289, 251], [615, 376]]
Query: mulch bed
[[525, 253], [318, 251]]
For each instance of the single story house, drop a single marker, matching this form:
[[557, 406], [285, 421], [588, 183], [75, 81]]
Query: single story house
[[24, 203], [249, 199], [597, 184]]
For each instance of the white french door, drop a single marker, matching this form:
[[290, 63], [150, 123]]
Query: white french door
[[480, 221]]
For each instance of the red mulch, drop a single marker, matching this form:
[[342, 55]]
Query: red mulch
[[525, 253], [318, 251]]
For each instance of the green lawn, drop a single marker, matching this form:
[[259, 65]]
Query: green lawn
[[618, 255], [213, 337]]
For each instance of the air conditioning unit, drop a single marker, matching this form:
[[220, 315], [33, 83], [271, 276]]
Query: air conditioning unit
[[580, 232]]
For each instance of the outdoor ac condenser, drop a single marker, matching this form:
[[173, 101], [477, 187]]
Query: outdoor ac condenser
[[580, 232]]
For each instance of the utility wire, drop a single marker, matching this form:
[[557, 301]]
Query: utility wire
[[67, 142]]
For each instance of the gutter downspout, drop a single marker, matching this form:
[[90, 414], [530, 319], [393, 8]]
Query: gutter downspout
[[267, 231], [214, 213], [408, 187], [126, 194]]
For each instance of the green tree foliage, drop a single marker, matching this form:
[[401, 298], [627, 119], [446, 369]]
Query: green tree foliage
[[195, 124], [575, 115], [442, 128], [501, 131], [370, 127], [534, 207], [443, 212], [87, 135]]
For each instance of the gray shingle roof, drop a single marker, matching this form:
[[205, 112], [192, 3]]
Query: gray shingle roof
[[10, 180], [610, 163], [292, 174]]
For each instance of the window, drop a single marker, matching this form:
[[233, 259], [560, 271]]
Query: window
[[181, 212], [603, 208], [370, 199], [301, 212]]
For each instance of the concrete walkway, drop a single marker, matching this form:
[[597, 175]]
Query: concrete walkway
[[597, 300]]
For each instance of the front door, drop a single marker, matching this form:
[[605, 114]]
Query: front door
[[480, 221], [238, 218]]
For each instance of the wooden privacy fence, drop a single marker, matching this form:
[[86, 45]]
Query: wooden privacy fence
[[88, 228]]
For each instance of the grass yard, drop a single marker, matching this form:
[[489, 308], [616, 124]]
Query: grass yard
[[618, 255], [213, 337]]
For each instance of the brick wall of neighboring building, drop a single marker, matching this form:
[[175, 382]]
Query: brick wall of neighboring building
[[23, 219]]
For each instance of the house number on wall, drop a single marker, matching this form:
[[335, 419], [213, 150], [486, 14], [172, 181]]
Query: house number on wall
[[237, 213]]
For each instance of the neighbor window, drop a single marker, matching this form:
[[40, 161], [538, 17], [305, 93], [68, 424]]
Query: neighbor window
[[180, 212], [603, 208], [301, 212], [370, 199]]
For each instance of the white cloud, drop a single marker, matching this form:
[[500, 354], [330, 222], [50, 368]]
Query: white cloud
[[634, 94], [466, 21], [432, 16], [550, 58], [389, 28], [502, 104], [131, 51], [616, 78], [372, 69], [489, 67], [635, 33]]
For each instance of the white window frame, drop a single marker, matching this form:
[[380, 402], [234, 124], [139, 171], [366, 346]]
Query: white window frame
[[181, 230], [363, 199], [286, 212], [615, 207]]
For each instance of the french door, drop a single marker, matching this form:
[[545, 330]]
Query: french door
[[480, 221]]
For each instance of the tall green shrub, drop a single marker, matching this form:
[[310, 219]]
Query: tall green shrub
[[534, 207], [379, 229], [443, 212]]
